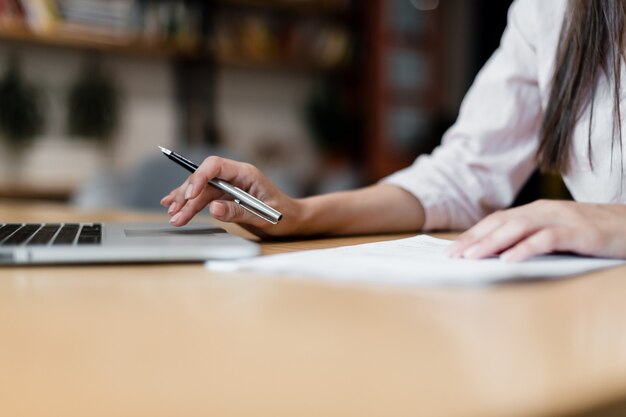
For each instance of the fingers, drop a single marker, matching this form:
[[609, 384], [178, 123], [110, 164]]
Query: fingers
[[195, 184], [520, 233], [183, 212], [182, 209], [517, 241], [229, 211], [544, 241], [240, 174], [501, 238], [169, 199], [195, 193], [173, 200], [475, 234]]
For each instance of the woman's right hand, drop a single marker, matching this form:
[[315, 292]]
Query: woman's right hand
[[196, 193]]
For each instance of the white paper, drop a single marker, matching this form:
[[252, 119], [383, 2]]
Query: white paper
[[419, 260]]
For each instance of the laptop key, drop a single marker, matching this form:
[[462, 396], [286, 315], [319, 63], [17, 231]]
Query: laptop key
[[89, 240], [44, 235], [66, 235], [7, 230], [91, 230], [90, 235], [22, 234]]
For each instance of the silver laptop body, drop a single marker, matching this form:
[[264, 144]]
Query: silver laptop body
[[64, 243]]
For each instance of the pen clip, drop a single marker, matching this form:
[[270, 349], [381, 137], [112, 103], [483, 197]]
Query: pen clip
[[256, 213]]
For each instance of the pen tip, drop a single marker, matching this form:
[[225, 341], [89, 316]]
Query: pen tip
[[165, 150]]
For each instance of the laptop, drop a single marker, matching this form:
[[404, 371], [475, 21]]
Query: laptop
[[83, 243]]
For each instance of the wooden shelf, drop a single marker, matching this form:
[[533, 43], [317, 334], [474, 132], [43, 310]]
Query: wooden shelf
[[309, 8], [76, 37], [275, 65], [91, 41]]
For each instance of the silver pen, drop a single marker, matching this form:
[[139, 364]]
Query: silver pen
[[245, 200]]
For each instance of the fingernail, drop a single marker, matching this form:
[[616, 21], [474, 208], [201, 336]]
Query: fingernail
[[172, 208], [189, 192], [471, 252], [176, 217], [218, 209], [509, 256], [452, 249]]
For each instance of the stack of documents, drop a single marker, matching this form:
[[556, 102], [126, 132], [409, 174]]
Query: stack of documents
[[420, 260]]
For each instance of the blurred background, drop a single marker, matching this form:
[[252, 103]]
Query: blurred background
[[322, 95]]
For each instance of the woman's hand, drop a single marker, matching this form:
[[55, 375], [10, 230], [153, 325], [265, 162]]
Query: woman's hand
[[544, 227], [195, 194]]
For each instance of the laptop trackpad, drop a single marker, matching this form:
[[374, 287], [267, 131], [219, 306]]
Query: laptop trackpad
[[171, 231]]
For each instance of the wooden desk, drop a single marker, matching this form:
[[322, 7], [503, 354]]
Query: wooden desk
[[176, 340]]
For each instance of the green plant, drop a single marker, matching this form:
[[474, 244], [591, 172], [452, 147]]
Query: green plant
[[92, 105], [334, 121], [21, 110]]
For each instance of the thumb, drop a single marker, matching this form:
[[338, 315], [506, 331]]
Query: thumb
[[231, 212]]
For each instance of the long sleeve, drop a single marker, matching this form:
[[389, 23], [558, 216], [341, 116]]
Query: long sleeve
[[489, 153]]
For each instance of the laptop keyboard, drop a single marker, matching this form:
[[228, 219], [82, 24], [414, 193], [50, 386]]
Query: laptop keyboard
[[50, 234]]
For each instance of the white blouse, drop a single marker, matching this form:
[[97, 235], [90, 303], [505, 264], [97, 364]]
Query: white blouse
[[489, 153]]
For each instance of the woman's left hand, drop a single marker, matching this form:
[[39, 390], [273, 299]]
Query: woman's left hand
[[546, 226]]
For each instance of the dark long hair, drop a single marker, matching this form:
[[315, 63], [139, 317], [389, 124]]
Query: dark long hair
[[591, 44]]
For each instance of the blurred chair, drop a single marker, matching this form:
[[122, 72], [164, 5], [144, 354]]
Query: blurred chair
[[144, 186]]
